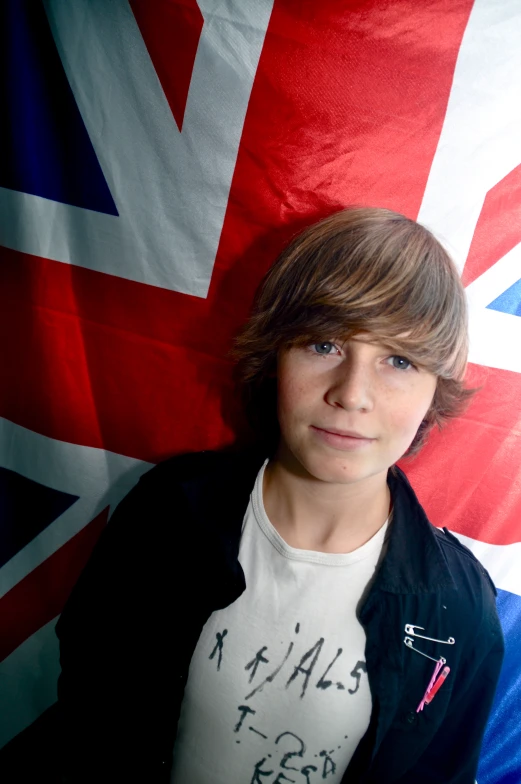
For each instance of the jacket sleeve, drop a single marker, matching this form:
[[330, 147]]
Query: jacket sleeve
[[453, 754], [108, 729]]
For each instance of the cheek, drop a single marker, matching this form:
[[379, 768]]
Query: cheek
[[296, 399], [289, 398], [408, 421], [409, 415]]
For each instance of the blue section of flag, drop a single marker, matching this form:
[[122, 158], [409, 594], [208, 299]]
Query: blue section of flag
[[26, 509], [500, 761], [509, 301], [45, 149]]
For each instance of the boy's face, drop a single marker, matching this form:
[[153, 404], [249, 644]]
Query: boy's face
[[330, 389]]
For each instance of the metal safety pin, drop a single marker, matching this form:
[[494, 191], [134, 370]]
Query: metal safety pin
[[409, 629], [410, 644]]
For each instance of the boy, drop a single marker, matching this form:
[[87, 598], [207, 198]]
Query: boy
[[289, 613]]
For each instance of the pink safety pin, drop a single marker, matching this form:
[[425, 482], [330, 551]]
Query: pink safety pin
[[434, 685]]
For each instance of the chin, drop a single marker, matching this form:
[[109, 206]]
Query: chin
[[344, 469]]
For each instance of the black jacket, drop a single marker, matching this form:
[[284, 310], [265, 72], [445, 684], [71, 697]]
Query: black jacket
[[168, 559]]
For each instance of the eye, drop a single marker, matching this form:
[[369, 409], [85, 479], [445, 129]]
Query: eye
[[324, 348], [400, 363]]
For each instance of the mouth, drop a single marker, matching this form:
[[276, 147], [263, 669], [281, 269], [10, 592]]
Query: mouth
[[345, 433], [342, 439]]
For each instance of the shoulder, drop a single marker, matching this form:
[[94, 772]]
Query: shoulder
[[199, 488], [156, 509], [184, 466], [197, 467], [458, 555], [475, 588], [456, 580], [206, 487], [460, 561]]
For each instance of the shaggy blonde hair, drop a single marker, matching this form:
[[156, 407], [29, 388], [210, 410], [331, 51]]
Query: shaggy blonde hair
[[363, 269]]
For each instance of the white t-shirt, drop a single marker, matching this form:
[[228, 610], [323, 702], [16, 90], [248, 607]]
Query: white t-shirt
[[277, 688]]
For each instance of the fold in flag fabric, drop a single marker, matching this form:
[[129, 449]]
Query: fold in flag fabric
[[155, 159]]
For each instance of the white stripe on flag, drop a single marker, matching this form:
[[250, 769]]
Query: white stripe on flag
[[500, 560], [28, 678], [186, 175], [100, 479], [478, 147]]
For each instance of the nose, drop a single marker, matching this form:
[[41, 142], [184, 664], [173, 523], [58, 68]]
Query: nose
[[352, 386]]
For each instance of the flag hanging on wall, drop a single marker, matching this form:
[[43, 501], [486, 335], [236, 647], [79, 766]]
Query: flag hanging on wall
[[155, 157]]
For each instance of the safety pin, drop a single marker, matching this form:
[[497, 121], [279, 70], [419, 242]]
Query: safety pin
[[409, 629], [410, 644]]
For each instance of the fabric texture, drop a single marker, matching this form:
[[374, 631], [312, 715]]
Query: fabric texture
[[127, 637]]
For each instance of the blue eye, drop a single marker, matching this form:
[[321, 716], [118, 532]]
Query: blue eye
[[400, 363], [324, 348]]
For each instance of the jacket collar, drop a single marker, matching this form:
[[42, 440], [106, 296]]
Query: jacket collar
[[414, 562]]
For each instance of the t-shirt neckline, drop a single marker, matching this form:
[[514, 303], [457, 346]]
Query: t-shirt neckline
[[308, 556]]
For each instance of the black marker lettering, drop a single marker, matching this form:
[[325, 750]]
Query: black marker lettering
[[244, 709], [307, 770], [301, 750], [329, 766], [360, 667], [257, 773], [219, 647], [273, 675], [256, 661], [313, 652], [258, 733], [323, 684]]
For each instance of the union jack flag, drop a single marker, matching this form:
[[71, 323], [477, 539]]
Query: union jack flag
[[155, 157]]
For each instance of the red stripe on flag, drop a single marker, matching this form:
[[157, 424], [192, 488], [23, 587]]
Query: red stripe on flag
[[40, 596], [126, 389], [172, 30], [469, 477], [498, 229], [347, 107]]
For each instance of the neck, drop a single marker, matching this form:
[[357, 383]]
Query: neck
[[311, 514]]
